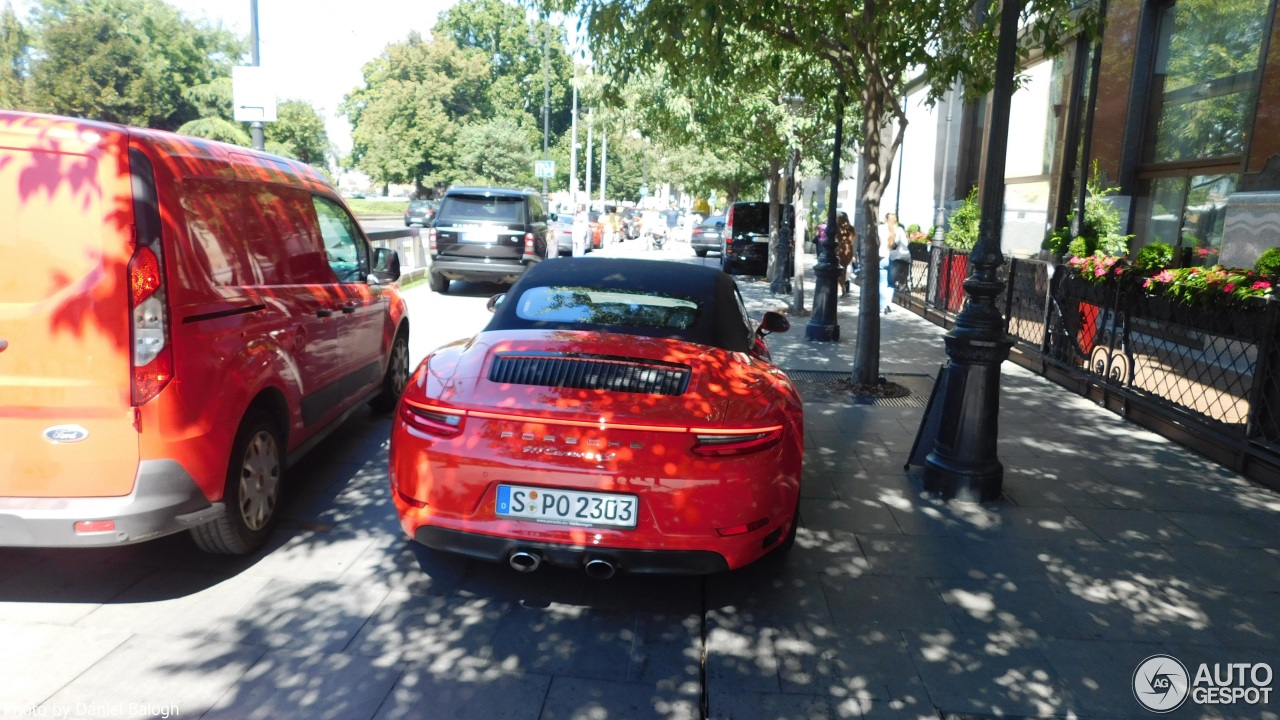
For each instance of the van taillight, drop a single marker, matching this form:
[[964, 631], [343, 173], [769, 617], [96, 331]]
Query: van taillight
[[431, 239], [152, 353], [728, 224], [528, 246]]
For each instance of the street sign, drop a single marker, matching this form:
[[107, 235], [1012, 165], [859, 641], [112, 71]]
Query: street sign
[[644, 191], [252, 95], [544, 168]]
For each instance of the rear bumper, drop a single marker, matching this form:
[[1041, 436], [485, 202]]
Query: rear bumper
[[498, 549], [478, 269], [700, 243], [164, 500]]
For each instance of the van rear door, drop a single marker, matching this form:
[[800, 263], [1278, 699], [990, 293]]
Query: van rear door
[[65, 244]]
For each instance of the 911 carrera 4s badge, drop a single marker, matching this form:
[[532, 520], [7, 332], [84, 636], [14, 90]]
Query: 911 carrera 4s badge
[[557, 452], [567, 507]]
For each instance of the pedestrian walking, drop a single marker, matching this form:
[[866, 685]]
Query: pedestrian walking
[[889, 234], [581, 231], [900, 261], [846, 239]]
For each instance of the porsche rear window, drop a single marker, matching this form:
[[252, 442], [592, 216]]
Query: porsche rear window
[[609, 307]]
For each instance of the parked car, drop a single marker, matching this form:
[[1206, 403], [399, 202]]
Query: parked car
[[182, 319], [615, 415], [745, 246], [560, 232], [420, 212], [487, 235], [706, 235]]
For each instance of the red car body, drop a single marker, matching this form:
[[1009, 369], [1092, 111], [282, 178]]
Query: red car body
[[708, 440]]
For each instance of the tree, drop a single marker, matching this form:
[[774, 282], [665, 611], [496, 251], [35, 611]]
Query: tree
[[13, 59], [215, 128], [124, 61], [514, 47], [872, 47], [492, 152], [299, 129], [406, 117]]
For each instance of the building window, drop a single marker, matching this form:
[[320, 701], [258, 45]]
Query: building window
[[1203, 89]]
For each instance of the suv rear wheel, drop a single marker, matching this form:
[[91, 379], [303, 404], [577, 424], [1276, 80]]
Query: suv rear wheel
[[439, 283], [252, 493]]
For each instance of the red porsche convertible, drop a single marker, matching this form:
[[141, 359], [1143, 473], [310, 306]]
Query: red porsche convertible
[[615, 415]]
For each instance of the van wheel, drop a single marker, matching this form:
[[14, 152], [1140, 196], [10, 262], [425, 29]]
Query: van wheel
[[252, 494], [701, 253], [397, 375], [439, 283], [726, 264]]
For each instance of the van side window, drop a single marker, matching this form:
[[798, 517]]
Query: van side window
[[343, 245]]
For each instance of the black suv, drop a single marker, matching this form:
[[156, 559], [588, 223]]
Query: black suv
[[746, 237], [486, 235]]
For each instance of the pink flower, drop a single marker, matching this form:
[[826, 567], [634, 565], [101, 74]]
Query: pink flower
[[1099, 271], [1146, 283], [1165, 276], [1261, 285], [1119, 271], [1229, 288]]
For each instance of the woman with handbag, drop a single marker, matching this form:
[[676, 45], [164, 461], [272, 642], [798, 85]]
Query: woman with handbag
[[846, 241], [891, 235]]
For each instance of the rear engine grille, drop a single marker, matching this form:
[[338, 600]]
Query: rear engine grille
[[590, 373]]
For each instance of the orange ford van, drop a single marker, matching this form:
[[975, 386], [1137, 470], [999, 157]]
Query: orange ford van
[[179, 320]]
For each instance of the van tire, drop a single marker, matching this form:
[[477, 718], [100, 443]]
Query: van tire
[[397, 375], [439, 283], [256, 467]]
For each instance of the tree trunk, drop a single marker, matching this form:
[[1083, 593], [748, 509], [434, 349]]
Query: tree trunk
[[775, 263], [878, 106], [801, 226]]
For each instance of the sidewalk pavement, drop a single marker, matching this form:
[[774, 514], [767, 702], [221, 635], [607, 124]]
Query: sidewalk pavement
[[1111, 544]]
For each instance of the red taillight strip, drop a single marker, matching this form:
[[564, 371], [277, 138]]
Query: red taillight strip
[[600, 425]]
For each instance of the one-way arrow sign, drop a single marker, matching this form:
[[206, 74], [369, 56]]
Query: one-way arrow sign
[[253, 95]]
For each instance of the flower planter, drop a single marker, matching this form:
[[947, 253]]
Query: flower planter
[[1088, 328], [956, 270]]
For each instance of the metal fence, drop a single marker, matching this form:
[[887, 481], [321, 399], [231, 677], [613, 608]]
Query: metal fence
[[408, 245], [1205, 375]]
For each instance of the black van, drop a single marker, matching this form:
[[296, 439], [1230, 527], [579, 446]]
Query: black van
[[487, 235], [746, 237]]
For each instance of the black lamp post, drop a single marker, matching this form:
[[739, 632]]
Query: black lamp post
[[822, 324], [963, 464]]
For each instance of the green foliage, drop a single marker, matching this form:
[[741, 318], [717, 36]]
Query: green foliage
[[1209, 286], [1057, 241], [1268, 265], [364, 206], [1101, 226], [125, 61], [1082, 247], [299, 129], [493, 152], [963, 233], [13, 59], [215, 128], [1154, 256], [212, 99]]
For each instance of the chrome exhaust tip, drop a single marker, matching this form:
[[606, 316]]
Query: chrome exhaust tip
[[524, 561], [600, 569]]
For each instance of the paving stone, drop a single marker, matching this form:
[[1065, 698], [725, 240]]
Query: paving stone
[[576, 699], [1229, 530], [844, 662], [432, 630], [495, 694], [63, 590], [185, 675], [396, 563], [816, 552], [1025, 609], [1048, 492], [283, 685], [1244, 619], [896, 489], [1131, 525], [1098, 675], [1248, 569], [922, 556], [39, 659], [734, 704], [311, 556], [987, 676], [854, 516], [886, 602], [173, 602], [911, 708], [320, 616], [1138, 609]]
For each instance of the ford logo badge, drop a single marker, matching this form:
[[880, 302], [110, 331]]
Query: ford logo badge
[[61, 434]]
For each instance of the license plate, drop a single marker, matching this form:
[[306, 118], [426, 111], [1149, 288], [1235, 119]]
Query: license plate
[[567, 507], [760, 238], [489, 236]]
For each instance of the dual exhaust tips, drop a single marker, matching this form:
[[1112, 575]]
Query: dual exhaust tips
[[526, 561]]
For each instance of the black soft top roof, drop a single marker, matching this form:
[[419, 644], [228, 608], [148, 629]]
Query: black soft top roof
[[720, 324]]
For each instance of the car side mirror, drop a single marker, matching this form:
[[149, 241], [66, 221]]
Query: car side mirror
[[773, 322], [386, 265], [719, 226], [495, 301]]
